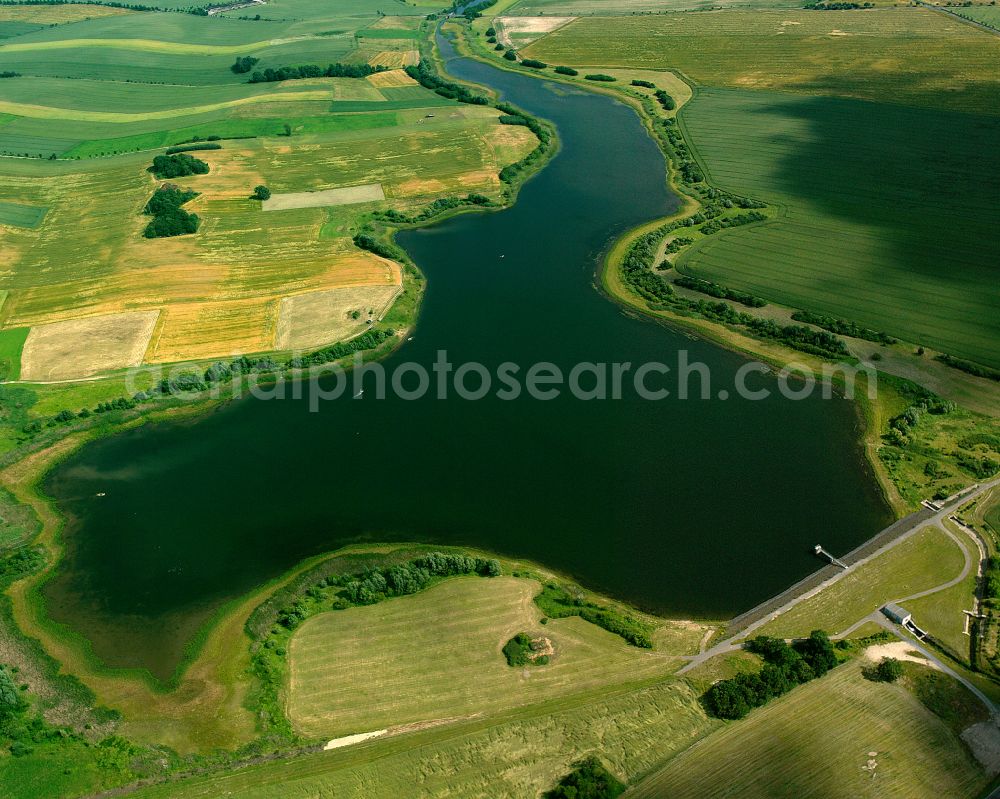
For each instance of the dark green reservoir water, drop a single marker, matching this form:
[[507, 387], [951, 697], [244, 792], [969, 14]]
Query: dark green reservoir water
[[691, 507]]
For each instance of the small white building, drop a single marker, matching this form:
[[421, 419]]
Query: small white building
[[897, 614]]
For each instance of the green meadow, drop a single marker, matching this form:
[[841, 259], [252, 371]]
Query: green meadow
[[852, 179], [910, 56]]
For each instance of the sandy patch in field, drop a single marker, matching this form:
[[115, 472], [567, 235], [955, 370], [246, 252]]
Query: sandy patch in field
[[392, 78], [349, 195], [323, 317], [83, 347], [840, 33], [539, 25], [347, 740], [394, 58], [900, 650], [984, 741]]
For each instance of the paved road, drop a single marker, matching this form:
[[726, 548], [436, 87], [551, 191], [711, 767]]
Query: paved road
[[805, 590]]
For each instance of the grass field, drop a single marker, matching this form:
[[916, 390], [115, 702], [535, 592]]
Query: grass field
[[517, 755], [927, 559], [851, 178], [815, 742], [911, 56], [941, 613], [437, 655]]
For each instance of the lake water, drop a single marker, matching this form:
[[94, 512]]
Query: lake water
[[690, 507]]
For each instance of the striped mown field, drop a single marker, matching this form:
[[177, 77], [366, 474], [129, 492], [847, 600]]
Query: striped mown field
[[814, 743], [437, 655]]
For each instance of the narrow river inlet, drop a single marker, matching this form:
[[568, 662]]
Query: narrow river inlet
[[696, 507]]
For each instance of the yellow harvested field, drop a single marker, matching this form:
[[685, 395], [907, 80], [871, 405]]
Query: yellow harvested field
[[394, 77], [394, 58], [236, 328], [55, 15], [318, 318], [80, 348], [348, 195], [437, 654]]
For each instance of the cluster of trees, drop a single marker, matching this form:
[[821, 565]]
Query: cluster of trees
[[366, 242], [557, 603], [837, 6], [677, 244], [784, 667], [425, 75], [244, 64], [512, 119], [665, 100], [727, 200], [169, 219], [980, 466], [510, 55], [843, 327], [637, 263], [534, 63], [377, 584], [804, 339], [601, 78], [520, 651], [721, 292], [589, 779], [886, 670], [261, 193], [510, 172], [178, 165], [566, 71], [645, 84], [438, 206], [10, 74], [186, 148], [901, 425], [337, 70], [369, 340], [968, 367], [715, 225], [474, 10]]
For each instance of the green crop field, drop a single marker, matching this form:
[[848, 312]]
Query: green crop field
[[437, 654], [29, 216], [815, 741], [851, 178], [911, 56], [984, 15]]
